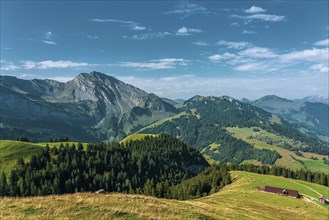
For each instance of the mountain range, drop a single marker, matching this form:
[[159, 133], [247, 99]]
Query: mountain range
[[95, 107]]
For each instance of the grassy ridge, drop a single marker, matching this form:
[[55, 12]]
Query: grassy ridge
[[134, 137], [238, 200]]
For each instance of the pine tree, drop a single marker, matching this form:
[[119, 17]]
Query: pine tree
[[4, 189], [149, 187], [13, 178]]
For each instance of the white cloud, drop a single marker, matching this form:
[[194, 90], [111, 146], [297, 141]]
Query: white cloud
[[322, 68], [234, 45], [28, 64], [252, 67], [255, 9], [186, 8], [92, 37], [324, 43], [139, 28], [184, 31], [263, 60], [48, 38], [258, 52], [167, 63], [248, 32], [146, 36], [112, 20], [312, 55], [8, 66], [261, 17], [48, 35], [131, 24], [49, 42], [266, 17], [200, 43], [229, 55], [215, 57], [186, 86]]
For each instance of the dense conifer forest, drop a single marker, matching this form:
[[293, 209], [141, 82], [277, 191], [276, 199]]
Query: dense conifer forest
[[159, 166]]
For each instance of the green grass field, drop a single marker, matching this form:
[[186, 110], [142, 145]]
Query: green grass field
[[239, 200], [288, 158]]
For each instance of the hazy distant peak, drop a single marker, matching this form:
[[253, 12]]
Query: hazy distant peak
[[315, 98], [272, 98]]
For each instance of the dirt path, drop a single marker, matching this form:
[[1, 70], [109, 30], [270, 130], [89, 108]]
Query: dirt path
[[307, 187], [311, 201]]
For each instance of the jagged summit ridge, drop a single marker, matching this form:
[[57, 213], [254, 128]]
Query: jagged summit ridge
[[101, 105]]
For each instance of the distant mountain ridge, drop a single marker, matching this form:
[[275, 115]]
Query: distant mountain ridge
[[315, 98], [313, 116], [204, 122], [93, 106]]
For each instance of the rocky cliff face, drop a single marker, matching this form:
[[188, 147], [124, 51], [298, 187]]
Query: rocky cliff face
[[91, 107]]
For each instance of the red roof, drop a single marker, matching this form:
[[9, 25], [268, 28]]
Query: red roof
[[281, 191]]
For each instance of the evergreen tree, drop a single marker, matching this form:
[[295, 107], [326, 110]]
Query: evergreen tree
[[4, 188]]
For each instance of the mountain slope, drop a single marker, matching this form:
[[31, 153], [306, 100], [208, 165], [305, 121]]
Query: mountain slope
[[203, 122], [91, 107], [238, 200], [313, 116]]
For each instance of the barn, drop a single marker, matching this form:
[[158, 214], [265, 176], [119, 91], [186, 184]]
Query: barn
[[280, 191]]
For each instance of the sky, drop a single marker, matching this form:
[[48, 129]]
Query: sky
[[175, 49]]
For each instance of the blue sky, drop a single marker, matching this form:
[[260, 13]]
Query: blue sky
[[176, 49]]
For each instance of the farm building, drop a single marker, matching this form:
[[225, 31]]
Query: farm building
[[323, 199], [280, 191]]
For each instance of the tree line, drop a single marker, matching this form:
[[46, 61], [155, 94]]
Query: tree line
[[299, 174]]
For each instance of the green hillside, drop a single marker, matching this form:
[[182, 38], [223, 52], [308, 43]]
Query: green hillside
[[11, 150], [289, 149], [238, 200]]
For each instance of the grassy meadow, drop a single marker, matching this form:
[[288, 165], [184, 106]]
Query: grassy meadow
[[239, 200]]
